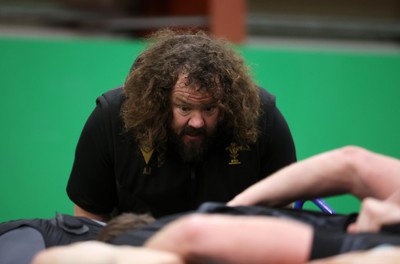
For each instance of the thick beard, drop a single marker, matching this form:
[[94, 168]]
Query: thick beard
[[193, 152]]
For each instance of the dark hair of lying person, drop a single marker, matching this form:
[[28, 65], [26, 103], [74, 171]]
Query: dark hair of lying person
[[122, 223]]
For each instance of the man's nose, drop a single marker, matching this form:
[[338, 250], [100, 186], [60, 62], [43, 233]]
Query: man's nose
[[196, 120]]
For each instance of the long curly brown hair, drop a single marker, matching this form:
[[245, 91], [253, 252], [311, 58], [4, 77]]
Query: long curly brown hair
[[209, 62]]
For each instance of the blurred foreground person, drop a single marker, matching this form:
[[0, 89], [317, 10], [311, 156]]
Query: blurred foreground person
[[216, 238]]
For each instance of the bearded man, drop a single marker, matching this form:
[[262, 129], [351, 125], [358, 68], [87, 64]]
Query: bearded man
[[189, 125]]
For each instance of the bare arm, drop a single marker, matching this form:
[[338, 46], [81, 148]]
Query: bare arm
[[346, 170], [94, 252], [83, 213], [235, 239]]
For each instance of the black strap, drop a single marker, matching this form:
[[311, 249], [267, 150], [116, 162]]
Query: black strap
[[71, 224]]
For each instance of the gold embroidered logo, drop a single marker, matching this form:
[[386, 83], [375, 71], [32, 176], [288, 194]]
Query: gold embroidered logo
[[233, 150], [147, 156]]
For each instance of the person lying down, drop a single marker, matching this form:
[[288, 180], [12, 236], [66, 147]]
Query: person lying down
[[216, 234], [280, 235]]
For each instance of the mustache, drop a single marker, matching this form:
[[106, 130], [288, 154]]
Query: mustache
[[191, 131]]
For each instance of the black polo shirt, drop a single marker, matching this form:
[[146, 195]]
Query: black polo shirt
[[111, 173]]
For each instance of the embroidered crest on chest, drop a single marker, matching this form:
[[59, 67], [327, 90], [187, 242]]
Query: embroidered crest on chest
[[234, 150]]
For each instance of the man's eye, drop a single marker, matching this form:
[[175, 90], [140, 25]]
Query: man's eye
[[210, 109], [184, 109]]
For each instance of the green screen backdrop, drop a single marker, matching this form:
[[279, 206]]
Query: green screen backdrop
[[330, 98]]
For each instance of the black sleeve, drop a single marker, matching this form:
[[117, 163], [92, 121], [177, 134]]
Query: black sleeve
[[278, 147], [91, 185], [326, 244]]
